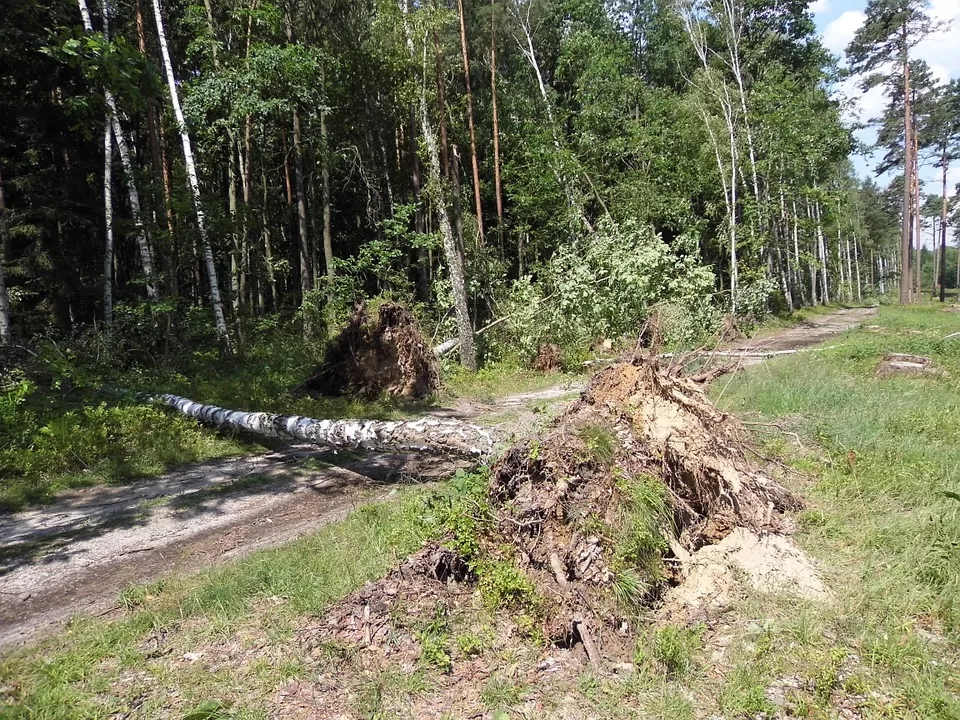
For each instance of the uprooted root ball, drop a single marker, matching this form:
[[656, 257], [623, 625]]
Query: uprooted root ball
[[581, 527], [371, 357]]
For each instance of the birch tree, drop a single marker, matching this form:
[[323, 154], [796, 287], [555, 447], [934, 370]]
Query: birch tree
[[468, 353], [129, 169], [193, 182]]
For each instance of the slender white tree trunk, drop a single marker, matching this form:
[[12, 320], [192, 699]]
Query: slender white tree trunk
[[126, 159], [812, 264], [108, 217], [824, 275], [421, 435], [856, 267], [527, 50], [734, 29], [796, 251], [468, 353], [211, 268]]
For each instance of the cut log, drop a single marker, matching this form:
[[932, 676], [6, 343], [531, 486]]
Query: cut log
[[425, 434]]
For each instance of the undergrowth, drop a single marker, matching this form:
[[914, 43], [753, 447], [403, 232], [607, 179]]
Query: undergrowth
[[884, 458], [77, 673]]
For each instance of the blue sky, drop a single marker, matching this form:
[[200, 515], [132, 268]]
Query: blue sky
[[838, 20]]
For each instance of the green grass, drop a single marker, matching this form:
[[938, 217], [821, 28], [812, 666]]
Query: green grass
[[79, 673], [75, 416], [884, 458]]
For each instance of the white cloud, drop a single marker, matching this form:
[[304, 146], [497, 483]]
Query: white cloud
[[840, 32], [820, 7], [940, 49]]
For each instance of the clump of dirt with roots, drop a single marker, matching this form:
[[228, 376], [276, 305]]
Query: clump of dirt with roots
[[385, 354], [582, 530]]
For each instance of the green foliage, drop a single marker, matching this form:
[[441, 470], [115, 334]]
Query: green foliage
[[638, 539], [504, 586], [434, 639], [600, 442], [71, 674], [461, 512], [673, 648], [607, 285]]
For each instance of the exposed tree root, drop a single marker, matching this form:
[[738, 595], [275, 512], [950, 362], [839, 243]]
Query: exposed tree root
[[388, 355], [602, 510]]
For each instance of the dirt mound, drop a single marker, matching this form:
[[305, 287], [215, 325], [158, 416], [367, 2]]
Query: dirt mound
[[371, 357], [769, 563], [549, 359], [585, 526]]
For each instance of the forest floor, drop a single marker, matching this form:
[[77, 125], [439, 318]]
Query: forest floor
[[77, 554], [875, 458]]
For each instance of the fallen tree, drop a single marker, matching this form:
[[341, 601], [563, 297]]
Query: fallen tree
[[579, 530], [424, 434]]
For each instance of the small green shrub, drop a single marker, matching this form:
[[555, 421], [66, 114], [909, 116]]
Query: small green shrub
[[675, 648], [503, 585], [638, 541], [600, 442], [461, 512]]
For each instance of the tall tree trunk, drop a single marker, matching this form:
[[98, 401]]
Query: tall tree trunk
[[473, 139], [905, 240], [194, 183], [328, 259], [303, 234], [268, 247], [824, 273], [419, 223], [158, 158], [796, 254], [5, 332], [856, 267], [496, 124], [304, 246], [945, 165], [146, 258], [108, 222], [916, 212], [528, 51], [812, 264], [468, 355]]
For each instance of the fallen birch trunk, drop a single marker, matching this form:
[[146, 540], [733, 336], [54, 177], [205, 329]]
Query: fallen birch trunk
[[757, 353], [421, 435]]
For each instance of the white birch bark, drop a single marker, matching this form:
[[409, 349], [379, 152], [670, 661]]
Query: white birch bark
[[211, 268], [421, 435], [698, 38], [798, 271], [146, 257], [525, 45], [824, 275], [468, 353], [812, 264], [734, 28], [856, 268], [108, 217]]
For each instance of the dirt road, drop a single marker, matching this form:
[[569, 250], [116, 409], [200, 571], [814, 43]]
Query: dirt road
[[816, 330], [79, 553]]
